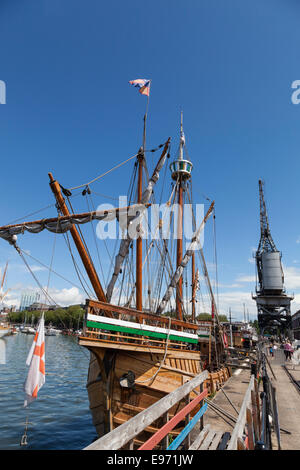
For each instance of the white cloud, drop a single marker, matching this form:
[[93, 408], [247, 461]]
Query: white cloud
[[246, 279], [65, 297], [229, 286], [291, 277], [235, 301], [34, 268]]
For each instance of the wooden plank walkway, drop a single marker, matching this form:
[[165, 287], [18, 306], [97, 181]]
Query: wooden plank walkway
[[235, 389]]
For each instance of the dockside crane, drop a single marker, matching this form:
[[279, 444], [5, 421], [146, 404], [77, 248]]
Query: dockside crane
[[273, 305]]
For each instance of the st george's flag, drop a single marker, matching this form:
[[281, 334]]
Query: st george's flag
[[143, 84], [36, 362]]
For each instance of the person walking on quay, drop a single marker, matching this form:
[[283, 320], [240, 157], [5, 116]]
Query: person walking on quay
[[288, 350], [285, 350]]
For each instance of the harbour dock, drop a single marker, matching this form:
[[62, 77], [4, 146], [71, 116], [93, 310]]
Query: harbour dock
[[254, 410]]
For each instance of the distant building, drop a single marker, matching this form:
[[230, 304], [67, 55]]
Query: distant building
[[37, 306], [28, 298], [6, 310]]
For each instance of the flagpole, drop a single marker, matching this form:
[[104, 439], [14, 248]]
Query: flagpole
[[139, 241], [143, 85]]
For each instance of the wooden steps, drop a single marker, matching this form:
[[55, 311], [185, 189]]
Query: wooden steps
[[209, 439]]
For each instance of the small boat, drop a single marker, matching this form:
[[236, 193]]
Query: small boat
[[28, 330], [52, 332]]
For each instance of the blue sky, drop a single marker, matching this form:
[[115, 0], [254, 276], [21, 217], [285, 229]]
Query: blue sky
[[228, 65]]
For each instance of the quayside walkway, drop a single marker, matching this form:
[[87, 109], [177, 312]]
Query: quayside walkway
[[288, 400]]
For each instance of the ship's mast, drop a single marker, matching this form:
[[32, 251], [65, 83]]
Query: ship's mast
[[139, 241], [181, 172], [194, 287]]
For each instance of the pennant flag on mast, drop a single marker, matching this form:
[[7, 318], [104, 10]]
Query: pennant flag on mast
[[143, 84], [212, 310], [36, 362]]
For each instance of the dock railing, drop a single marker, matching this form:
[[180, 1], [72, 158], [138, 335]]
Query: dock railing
[[127, 433], [258, 415]]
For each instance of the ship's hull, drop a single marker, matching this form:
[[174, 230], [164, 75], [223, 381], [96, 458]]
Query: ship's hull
[[123, 382]]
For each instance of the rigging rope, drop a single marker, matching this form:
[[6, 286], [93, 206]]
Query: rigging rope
[[163, 359], [52, 270], [114, 168], [34, 277], [103, 174]]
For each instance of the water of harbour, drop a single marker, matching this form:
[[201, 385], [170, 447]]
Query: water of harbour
[[60, 416]]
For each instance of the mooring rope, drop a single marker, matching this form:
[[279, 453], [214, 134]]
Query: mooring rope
[[163, 360]]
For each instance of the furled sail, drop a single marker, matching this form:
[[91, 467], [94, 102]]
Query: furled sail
[[125, 243], [178, 273], [65, 223]]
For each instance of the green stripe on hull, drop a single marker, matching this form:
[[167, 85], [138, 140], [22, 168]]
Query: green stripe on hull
[[124, 329]]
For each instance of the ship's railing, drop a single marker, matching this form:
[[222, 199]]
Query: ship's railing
[[127, 434], [107, 322]]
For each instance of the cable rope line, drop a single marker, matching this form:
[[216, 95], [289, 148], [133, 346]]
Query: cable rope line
[[34, 277], [48, 268], [39, 210], [215, 256], [85, 185], [162, 361], [105, 244], [94, 237], [52, 257], [76, 267]]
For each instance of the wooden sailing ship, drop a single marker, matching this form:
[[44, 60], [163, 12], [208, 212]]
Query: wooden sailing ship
[[138, 355]]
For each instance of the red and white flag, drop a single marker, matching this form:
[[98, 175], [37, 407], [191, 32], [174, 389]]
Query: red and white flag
[[143, 84], [36, 362], [212, 310]]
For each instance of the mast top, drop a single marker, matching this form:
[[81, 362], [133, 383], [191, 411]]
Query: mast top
[[181, 168]]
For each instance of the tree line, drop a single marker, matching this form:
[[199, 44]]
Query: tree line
[[70, 317]]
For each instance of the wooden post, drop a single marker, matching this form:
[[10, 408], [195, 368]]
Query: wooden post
[[209, 347], [240, 444], [87, 262], [201, 404], [131, 445], [166, 439], [255, 418], [187, 441], [257, 405], [212, 384], [250, 429]]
